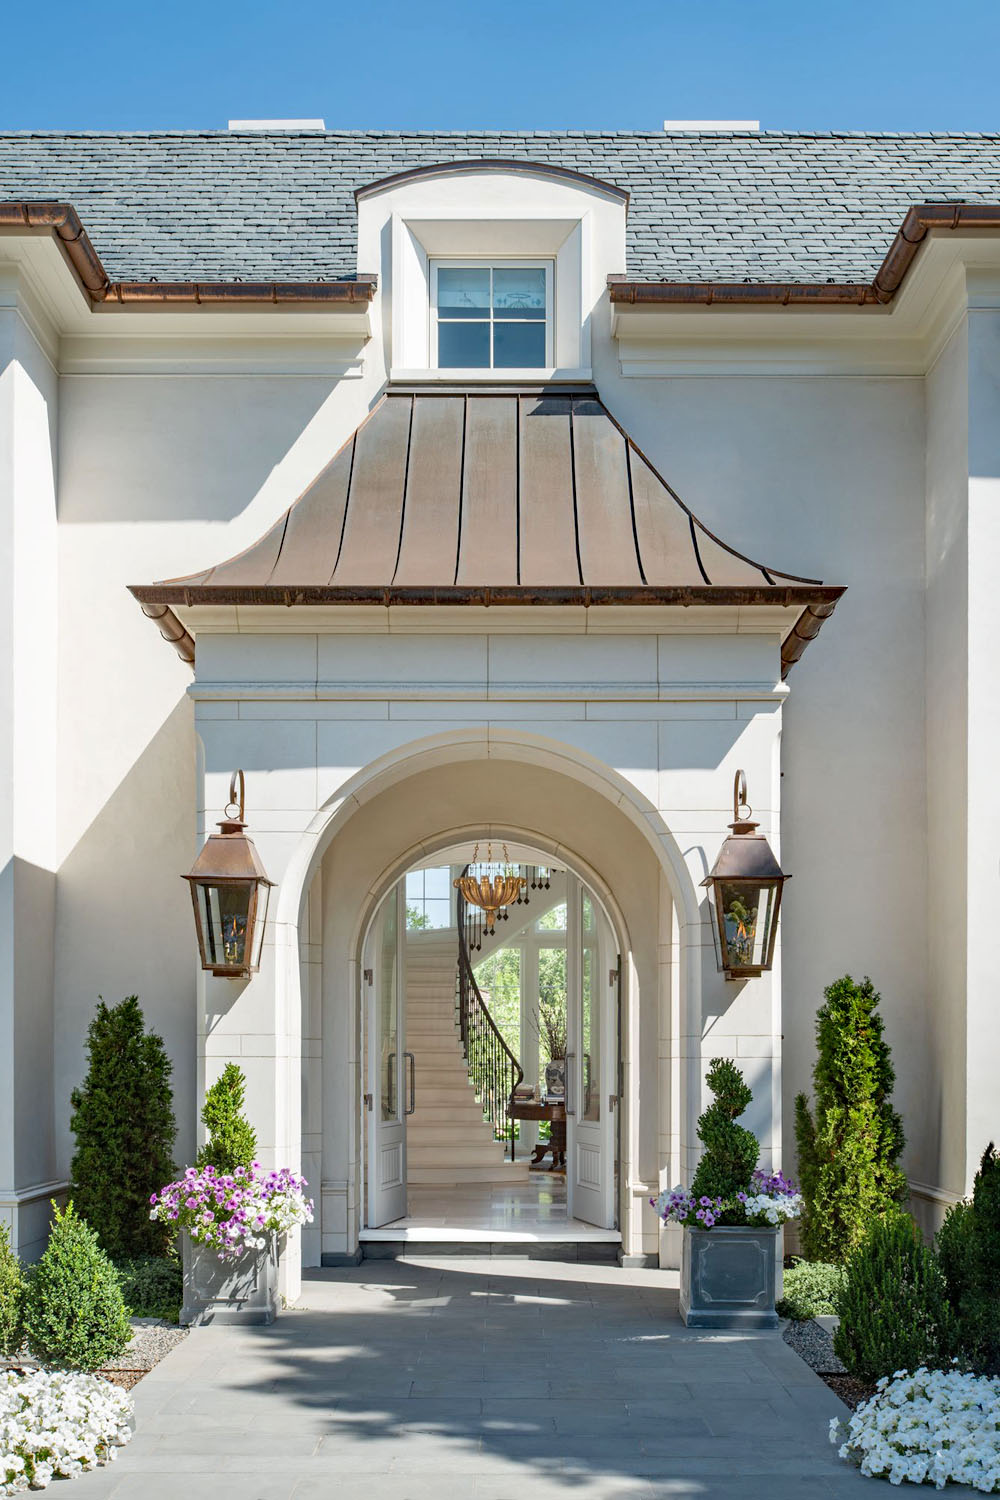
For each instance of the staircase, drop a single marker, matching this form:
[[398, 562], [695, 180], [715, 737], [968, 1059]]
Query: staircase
[[447, 1139]]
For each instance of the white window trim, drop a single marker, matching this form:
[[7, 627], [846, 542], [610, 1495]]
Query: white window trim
[[493, 262]]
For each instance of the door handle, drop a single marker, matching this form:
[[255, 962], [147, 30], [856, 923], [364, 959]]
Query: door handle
[[413, 1083], [570, 1058]]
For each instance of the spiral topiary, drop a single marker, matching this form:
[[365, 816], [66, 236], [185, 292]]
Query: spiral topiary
[[232, 1140], [731, 1151]]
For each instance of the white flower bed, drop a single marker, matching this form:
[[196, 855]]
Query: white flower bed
[[53, 1423], [933, 1427]]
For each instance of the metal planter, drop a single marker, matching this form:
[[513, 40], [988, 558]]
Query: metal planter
[[728, 1277], [243, 1291]]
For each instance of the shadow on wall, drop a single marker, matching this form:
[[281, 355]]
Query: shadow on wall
[[123, 920], [183, 450]]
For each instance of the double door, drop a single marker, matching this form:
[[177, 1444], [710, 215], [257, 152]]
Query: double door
[[592, 969]]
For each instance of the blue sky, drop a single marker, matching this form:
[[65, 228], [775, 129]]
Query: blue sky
[[858, 64]]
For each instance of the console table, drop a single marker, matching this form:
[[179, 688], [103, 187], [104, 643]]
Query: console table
[[534, 1109]]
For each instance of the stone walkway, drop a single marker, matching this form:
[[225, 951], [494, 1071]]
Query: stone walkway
[[468, 1379]]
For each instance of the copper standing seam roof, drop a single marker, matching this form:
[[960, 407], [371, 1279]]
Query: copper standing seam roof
[[62, 222], [492, 497]]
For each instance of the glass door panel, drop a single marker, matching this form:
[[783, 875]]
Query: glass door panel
[[385, 1107], [592, 1020]]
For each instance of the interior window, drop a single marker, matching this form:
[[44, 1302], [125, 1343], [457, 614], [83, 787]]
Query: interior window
[[492, 316], [428, 898]]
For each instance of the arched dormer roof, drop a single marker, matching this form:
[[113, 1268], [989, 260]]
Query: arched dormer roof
[[492, 164]]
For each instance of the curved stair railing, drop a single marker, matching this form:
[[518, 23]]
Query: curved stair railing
[[494, 1071]]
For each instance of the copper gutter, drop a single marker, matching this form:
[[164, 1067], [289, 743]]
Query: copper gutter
[[62, 222], [738, 293], [919, 221], [817, 602], [821, 596]]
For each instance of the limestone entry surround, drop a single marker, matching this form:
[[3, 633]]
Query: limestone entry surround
[[609, 737]]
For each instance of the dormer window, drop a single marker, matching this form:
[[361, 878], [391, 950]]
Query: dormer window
[[491, 316]]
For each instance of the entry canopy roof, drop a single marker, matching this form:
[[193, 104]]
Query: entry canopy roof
[[500, 497]]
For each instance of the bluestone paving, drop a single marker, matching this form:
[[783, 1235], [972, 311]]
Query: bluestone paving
[[480, 1380]]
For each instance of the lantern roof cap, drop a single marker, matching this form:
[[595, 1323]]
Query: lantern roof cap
[[745, 856], [228, 855]]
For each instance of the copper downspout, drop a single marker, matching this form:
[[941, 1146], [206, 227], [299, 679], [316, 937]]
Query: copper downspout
[[171, 630], [61, 221]]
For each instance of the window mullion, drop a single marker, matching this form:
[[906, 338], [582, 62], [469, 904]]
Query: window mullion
[[492, 360]]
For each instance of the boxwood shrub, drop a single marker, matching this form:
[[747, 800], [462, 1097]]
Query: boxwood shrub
[[811, 1288], [74, 1314]]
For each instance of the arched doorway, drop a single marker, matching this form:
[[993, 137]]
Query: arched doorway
[[403, 810], [491, 1058]]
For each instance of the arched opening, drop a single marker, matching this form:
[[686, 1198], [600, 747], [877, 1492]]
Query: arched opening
[[490, 1058], [396, 816]]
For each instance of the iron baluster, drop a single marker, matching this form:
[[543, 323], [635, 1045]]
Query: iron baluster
[[494, 1071]]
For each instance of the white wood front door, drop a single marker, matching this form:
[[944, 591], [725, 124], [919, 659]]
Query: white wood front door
[[591, 1060], [385, 1098]]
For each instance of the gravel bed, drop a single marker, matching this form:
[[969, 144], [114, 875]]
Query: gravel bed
[[152, 1338], [813, 1344]]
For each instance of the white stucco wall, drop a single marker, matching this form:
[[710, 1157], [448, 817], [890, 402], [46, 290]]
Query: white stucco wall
[[28, 598], [947, 655]]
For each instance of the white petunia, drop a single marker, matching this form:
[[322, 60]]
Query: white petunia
[[57, 1424], [932, 1427]]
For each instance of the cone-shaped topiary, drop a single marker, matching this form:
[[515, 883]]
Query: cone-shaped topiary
[[123, 1120], [12, 1289], [74, 1314], [849, 1144], [232, 1141], [893, 1304], [731, 1151], [981, 1308]]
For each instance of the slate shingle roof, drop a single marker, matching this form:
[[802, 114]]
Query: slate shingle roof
[[732, 207]]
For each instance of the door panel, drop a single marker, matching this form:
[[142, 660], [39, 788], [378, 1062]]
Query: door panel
[[591, 1081], [386, 1082]]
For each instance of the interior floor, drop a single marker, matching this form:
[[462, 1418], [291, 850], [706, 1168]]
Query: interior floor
[[521, 1211]]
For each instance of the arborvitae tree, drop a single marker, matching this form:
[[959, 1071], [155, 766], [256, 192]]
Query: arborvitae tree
[[74, 1315], [850, 1143], [232, 1142], [981, 1309], [968, 1247], [123, 1120], [731, 1150]]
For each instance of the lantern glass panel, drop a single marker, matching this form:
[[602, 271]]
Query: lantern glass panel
[[747, 910], [259, 923], [225, 912]]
